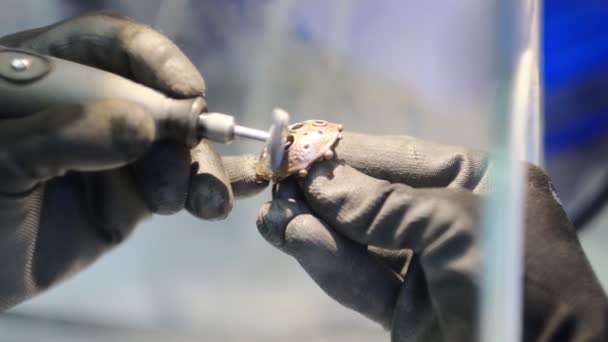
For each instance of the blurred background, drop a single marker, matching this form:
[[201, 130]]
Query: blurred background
[[391, 67]]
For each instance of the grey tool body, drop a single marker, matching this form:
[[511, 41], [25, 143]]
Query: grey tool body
[[30, 83]]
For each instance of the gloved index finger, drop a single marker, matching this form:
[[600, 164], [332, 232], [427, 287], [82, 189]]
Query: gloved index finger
[[117, 44], [415, 162]]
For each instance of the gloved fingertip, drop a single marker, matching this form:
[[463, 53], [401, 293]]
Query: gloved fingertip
[[209, 197], [268, 228], [309, 240], [242, 175], [273, 218]]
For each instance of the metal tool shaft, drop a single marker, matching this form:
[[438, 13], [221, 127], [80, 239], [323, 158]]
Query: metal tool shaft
[[251, 133]]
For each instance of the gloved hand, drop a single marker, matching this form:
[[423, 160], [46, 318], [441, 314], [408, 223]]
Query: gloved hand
[[391, 230], [75, 180]]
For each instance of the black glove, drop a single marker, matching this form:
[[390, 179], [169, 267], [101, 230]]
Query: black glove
[[75, 180], [391, 230]]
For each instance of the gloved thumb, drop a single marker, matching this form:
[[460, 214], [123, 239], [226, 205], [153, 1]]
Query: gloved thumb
[[96, 136]]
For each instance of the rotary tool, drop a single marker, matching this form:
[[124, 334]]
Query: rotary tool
[[31, 82]]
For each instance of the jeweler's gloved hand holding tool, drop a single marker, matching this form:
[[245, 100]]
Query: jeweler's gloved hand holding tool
[[75, 179], [390, 228]]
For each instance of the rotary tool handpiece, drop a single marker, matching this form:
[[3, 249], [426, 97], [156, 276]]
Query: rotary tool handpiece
[[30, 82]]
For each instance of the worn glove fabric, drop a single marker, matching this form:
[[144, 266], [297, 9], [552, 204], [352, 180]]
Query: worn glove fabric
[[75, 180], [391, 230]]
